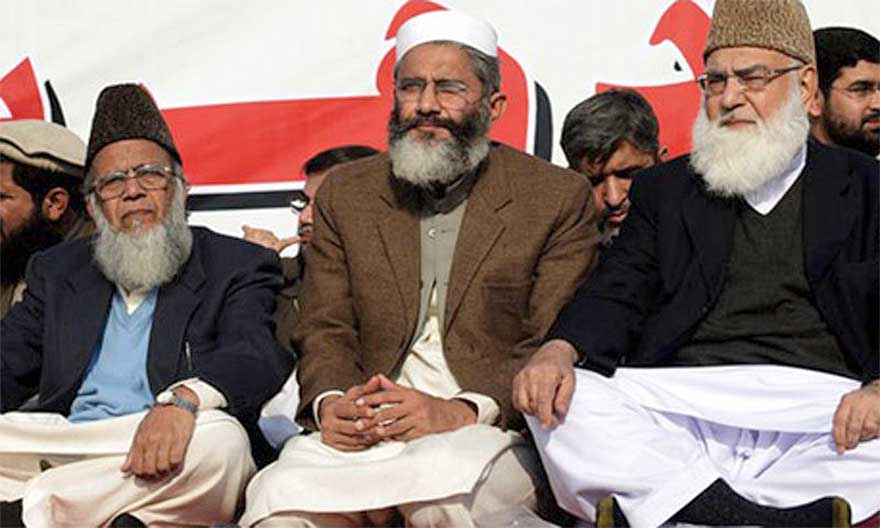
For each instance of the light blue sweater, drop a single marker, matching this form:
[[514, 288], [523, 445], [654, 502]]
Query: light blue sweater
[[116, 383]]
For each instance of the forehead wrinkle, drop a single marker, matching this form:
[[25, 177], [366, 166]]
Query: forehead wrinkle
[[749, 68], [433, 67], [633, 165], [436, 79], [747, 58], [127, 154]]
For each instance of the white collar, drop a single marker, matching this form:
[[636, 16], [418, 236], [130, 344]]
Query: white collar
[[767, 196], [132, 299]]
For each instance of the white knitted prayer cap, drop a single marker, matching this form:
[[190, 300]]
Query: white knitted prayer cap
[[453, 26]]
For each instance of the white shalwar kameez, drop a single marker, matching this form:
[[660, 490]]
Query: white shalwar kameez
[[655, 438]]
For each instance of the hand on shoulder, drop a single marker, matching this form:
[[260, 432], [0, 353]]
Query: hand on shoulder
[[268, 239]]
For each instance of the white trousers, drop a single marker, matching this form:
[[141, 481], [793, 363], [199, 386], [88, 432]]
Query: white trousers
[[69, 474], [644, 437], [512, 482]]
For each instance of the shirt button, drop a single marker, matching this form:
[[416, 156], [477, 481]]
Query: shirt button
[[432, 233]]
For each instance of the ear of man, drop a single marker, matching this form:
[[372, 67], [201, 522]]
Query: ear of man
[[662, 153], [497, 105], [816, 105], [55, 204], [809, 86]]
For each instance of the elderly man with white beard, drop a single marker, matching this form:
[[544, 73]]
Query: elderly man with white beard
[[727, 344], [136, 340], [433, 274]]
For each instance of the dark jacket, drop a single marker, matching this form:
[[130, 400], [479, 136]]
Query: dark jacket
[[81, 228], [220, 306], [666, 269]]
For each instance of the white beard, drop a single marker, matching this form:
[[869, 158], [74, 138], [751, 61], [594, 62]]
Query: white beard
[[146, 260], [738, 162], [423, 163]]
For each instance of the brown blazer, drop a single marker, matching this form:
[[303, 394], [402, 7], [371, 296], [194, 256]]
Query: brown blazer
[[287, 303], [526, 241]]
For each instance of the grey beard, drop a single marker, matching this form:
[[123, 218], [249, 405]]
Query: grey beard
[[147, 260], [430, 162], [426, 163], [738, 162]]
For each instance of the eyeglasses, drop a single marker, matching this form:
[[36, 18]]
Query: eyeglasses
[[860, 89], [450, 94], [752, 79], [149, 176], [299, 200]]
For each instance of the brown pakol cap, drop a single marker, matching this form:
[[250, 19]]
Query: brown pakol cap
[[779, 25], [126, 111]]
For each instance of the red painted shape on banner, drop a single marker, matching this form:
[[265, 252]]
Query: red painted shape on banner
[[676, 107], [21, 93], [686, 25], [408, 11], [259, 142]]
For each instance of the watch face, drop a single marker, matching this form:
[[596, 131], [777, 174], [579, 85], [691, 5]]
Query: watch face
[[164, 397]]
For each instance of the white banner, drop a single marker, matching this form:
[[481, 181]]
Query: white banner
[[252, 90]]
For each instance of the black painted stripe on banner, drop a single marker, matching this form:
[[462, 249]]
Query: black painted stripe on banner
[[243, 200]]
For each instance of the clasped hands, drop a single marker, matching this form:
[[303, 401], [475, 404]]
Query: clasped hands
[[383, 410]]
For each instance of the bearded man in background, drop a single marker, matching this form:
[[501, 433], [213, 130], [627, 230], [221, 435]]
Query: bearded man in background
[[846, 111], [41, 201], [433, 273], [727, 342]]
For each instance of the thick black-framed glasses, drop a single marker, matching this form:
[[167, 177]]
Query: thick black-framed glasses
[[752, 79], [149, 176]]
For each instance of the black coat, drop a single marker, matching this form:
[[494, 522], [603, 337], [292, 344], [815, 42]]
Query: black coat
[[665, 271], [220, 305]]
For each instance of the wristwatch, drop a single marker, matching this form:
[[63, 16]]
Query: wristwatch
[[169, 398]]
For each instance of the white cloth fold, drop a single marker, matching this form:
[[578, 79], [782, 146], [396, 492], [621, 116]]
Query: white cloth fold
[[311, 476], [655, 438], [765, 397], [69, 474]]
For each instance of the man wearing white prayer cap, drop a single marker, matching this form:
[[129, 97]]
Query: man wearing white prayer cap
[[434, 271]]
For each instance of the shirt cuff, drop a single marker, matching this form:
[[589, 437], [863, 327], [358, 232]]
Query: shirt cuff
[[487, 407], [316, 405], [209, 397]]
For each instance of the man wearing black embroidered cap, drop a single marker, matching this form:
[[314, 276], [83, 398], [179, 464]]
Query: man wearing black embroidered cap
[[138, 343]]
